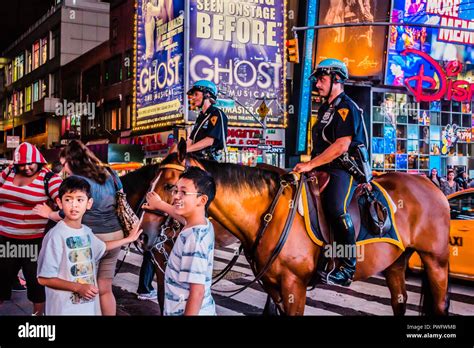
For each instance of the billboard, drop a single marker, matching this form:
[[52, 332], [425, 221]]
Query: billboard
[[240, 46], [159, 63], [358, 47], [430, 56]]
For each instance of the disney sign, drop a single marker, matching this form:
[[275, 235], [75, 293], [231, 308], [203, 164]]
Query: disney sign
[[426, 88]]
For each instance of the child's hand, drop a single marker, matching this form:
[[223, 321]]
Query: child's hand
[[42, 210], [153, 201], [88, 291], [135, 233]]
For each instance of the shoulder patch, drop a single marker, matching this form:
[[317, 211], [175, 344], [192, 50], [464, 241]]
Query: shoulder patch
[[214, 120], [343, 112]]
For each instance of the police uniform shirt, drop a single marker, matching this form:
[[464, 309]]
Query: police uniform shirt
[[209, 124], [341, 120]]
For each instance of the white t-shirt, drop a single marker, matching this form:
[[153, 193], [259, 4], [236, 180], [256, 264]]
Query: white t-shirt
[[190, 262], [70, 254]]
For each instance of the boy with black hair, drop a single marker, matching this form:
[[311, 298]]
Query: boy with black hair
[[188, 275], [67, 261]]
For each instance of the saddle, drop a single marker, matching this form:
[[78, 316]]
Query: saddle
[[373, 214]]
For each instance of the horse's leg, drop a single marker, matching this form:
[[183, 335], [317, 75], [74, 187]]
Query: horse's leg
[[436, 268], [395, 276], [293, 296]]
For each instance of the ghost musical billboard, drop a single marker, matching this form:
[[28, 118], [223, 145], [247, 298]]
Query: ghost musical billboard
[[240, 47], [159, 64]]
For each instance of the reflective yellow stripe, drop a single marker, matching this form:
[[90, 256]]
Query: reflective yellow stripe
[[307, 218], [347, 195]]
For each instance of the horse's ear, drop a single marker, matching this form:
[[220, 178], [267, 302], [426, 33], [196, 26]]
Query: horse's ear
[[181, 150]]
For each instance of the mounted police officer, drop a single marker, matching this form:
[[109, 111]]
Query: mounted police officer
[[339, 131], [208, 137]]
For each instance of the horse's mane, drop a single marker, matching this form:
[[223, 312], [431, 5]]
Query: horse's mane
[[144, 174], [235, 176]]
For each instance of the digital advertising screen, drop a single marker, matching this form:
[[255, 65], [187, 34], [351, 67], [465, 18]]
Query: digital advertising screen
[[359, 48], [428, 57]]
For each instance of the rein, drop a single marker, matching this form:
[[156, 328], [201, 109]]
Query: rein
[[283, 236], [267, 218]]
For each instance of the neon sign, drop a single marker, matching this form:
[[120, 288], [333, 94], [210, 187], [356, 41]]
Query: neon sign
[[445, 86]]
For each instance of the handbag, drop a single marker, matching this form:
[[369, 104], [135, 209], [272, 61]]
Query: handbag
[[126, 216]]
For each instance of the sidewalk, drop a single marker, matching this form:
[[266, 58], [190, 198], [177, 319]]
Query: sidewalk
[[127, 303]]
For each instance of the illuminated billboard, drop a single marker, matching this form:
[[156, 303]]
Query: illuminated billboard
[[159, 64], [240, 46], [359, 48], [432, 57]]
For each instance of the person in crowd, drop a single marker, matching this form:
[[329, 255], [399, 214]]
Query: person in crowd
[[145, 289], [188, 275], [450, 186], [70, 252], [434, 177], [25, 184], [102, 218], [462, 179]]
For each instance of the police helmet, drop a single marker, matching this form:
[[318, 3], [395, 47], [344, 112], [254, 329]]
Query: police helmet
[[205, 86], [331, 67]]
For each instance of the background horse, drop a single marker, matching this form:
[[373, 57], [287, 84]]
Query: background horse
[[244, 195], [136, 184]]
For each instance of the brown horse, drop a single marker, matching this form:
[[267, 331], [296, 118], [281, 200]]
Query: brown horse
[[244, 195]]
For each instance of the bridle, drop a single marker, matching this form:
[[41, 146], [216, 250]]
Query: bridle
[[168, 224], [286, 181]]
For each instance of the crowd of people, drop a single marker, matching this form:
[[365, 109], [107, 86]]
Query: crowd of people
[[452, 182], [74, 226]]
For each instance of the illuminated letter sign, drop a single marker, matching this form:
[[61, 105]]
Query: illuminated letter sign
[[449, 89]]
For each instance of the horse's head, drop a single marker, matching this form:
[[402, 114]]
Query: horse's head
[[167, 176]]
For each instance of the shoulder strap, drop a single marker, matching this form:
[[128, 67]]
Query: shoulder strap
[[199, 127], [47, 178], [224, 135], [112, 174]]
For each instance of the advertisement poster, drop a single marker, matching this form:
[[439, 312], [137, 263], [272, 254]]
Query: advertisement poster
[[159, 59], [358, 47], [239, 45], [443, 45]]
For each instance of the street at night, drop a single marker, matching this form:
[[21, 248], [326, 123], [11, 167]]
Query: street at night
[[245, 159]]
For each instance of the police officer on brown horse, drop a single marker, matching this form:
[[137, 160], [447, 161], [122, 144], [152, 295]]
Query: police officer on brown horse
[[339, 130], [208, 137]]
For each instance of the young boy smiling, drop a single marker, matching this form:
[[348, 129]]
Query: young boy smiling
[[70, 252], [188, 275]]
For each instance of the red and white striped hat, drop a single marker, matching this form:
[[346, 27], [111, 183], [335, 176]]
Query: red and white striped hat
[[27, 153]]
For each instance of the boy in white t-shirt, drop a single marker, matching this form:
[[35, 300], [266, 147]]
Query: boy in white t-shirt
[[67, 263], [188, 275]]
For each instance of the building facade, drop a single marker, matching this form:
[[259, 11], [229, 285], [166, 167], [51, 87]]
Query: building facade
[[32, 74]]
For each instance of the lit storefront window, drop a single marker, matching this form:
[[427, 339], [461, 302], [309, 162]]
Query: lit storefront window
[[416, 137]]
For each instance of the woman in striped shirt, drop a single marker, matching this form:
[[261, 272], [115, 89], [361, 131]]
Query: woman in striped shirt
[[22, 187]]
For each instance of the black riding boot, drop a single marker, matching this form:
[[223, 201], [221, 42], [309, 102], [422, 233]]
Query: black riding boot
[[344, 234]]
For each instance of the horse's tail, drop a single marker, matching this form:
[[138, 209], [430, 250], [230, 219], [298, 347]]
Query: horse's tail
[[426, 298]]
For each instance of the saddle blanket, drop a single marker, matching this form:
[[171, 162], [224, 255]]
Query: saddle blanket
[[307, 209]]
